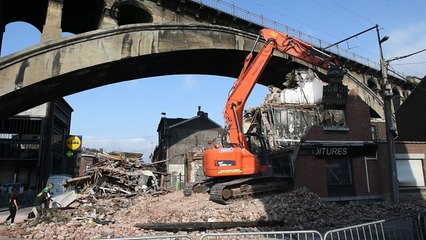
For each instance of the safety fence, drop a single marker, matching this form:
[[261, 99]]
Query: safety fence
[[293, 235], [421, 221], [171, 237], [366, 231], [402, 228], [411, 227]]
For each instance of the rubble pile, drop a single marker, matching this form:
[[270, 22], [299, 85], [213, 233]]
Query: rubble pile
[[116, 175], [93, 217]]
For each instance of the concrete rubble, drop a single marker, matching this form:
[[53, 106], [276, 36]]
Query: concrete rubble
[[102, 216], [118, 195]]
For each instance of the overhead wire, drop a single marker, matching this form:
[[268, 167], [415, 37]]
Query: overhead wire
[[411, 63], [370, 23], [351, 11], [394, 36], [305, 16], [362, 51], [334, 11], [295, 19], [362, 23]]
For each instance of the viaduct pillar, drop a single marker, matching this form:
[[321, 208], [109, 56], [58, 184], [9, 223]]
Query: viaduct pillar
[[52, 26]]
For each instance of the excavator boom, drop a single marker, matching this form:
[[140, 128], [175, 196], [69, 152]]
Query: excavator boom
[[252, 71], [234, 165]]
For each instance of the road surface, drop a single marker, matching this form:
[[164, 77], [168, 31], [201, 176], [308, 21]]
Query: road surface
[[21, 215]]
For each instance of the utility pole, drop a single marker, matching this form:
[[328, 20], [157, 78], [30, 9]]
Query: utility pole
[[390, 129]]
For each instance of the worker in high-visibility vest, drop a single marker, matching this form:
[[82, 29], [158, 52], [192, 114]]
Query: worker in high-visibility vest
[[43, 197]]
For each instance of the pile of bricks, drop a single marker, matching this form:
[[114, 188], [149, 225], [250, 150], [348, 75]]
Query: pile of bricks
[[95, 218]]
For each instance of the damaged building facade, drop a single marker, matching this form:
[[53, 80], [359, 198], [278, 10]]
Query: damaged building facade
[[333, 144]]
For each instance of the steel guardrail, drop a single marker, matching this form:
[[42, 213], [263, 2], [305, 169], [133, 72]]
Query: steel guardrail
[[170, 237], [258, 19], [293, 235]]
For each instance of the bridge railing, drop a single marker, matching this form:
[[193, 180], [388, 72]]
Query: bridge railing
[[232, 9]]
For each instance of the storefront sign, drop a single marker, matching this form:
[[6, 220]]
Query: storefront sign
[[74, 142], [330, 151], [349, 150]]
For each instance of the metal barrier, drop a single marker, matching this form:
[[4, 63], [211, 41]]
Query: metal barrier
[[171, 237], [402, 228], [367, 231], [290, 235], [421, 223]]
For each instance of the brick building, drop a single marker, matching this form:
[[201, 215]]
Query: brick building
[[353, 164], [338, 145], [340, 156], [86, 162]]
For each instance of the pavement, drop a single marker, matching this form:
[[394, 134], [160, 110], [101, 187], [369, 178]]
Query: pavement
[[21, 215]]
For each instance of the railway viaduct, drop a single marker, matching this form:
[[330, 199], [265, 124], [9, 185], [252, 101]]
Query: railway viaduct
[[119, 40]]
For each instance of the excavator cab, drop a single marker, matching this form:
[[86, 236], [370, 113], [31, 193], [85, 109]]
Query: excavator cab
[[258, 146]]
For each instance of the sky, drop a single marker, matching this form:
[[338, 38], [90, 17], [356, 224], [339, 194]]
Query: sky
[[125, 116]]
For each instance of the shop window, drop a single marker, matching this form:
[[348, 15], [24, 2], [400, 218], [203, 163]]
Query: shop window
[[410, 170], [339, 178]]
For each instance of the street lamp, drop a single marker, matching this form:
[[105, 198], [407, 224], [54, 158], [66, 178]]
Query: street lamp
[[390, 129]]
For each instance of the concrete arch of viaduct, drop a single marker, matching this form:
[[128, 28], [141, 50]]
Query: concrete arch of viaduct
[[48, 71]]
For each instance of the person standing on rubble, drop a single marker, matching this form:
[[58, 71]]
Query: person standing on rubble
[[43, 197], [13, 207]]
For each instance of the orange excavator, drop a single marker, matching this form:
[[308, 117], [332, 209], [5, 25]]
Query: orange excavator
[[236, 168]]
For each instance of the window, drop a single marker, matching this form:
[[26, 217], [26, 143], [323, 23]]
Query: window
[[410, 170], [338, 172], [333, 120], [339, 177]]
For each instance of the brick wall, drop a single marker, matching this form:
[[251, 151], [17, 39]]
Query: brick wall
[[311, 170]]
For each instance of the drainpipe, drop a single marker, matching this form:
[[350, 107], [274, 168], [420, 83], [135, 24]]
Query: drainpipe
[[366, 175]]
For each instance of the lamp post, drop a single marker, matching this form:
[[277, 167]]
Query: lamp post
[[390, 129]]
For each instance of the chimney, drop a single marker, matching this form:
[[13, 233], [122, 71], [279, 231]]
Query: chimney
[[201, 113]]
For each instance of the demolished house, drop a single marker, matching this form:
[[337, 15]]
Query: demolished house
[[286, 115], [319, 127], [112, 176]]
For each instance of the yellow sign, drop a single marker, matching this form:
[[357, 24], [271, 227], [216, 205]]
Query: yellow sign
[[230, 171], [73, 143]]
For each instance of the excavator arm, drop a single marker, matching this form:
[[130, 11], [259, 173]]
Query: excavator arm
[[236, 158], [252, 71]]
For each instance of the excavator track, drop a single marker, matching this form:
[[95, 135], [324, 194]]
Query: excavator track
[[202, 186], [224, 192]]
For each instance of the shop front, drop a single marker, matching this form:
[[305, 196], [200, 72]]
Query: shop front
[[334, 169]]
